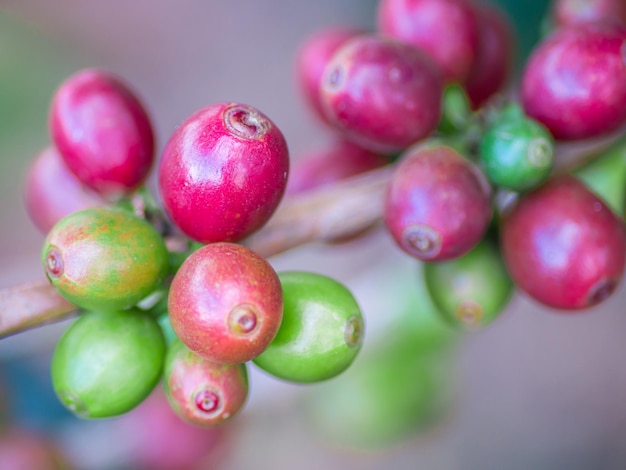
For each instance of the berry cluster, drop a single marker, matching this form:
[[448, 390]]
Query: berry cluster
[[174, 292]]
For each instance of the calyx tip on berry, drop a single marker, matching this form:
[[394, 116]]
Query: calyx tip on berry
[[423, 240], [469, 313], [54, 262], [242, 320], [540, 152], [245, 122], [207, 401], [354, 328], [601, 291]]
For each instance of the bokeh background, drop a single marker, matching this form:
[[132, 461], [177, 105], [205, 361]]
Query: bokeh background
[[537, 390]]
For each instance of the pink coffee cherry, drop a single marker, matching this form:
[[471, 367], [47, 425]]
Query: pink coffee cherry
[[52, 191], [569, 12], [563, 246], [382, 94], [494, 60], [223, 172], [447, 30], [312, 57], [103, 132], [225, 303], [575, 81], [438, 203]]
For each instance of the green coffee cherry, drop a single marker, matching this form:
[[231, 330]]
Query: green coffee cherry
[[104, 258], [471, 291], [321, 331], [106, 363], [517, 153]]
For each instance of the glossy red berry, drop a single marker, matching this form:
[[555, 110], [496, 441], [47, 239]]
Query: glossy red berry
[[447, 30], [52, 191], [312, 57], [223, 172], [569, 12], [575, 81], [438, 204], [200, 391], [103, 132], [563, 246], [381, 93], [226, 303]]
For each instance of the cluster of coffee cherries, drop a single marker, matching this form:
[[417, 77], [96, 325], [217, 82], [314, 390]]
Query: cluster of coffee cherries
[[473, 196]]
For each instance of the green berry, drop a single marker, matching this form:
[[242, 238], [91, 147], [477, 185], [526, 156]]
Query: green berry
[[321, 331], [106, 363], [104, 258]]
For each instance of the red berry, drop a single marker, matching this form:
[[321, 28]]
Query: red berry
[[223, 172], [563, 246], [103, 132], [569, 12], [52, 191], [446, 30], [226, 303], [312, 57], [575, 81], [494, 60], [383, 94], [438, 204]]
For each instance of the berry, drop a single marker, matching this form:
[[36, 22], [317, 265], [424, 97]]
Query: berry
[[575, 81], [52, 191], [223, 172], [447, 30], [569, 12], [103, 132], [381, 94], [438, 204], [225, 303], [200, 391], [321, 332], [104, 258], [106, 363], [563, 246]]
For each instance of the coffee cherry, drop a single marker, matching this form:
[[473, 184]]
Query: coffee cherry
[[200, 391], [225, 303], [311, 59], [517, 153], [569, 12], [337, 162], [563, 246], [493, 63], [103, 132], [447, 30], [52, 191], [321, 332], [223, 172], [106, 363], [471, 291], [381, 94], [438, 204], [575, 81], [104, 258]]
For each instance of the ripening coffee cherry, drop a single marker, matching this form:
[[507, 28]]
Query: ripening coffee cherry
[[471, 291], [225, 303], [312, 57], [446, 30], [103, 132], [52, 191], [382, 94], [321, 332], [200, 391], [569, 12], [563, 246], [104, 258], [223, 172], [517, 153], [575, 81], [438, 204], [106, 363]]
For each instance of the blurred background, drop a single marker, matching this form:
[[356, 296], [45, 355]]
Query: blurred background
[[536, 390]]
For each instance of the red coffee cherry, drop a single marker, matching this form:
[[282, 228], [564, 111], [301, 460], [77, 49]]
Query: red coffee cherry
[[575, 81], [438, 204], [563, 246], [381, 93], [103, 132], [446, 30], [223, 172], [226, 303]]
